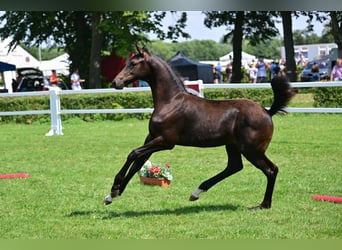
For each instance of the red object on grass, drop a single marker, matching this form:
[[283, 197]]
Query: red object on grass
[[327, 198], [10, 176]]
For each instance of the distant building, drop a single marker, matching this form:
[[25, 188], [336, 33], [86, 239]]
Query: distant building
[[310, 51]]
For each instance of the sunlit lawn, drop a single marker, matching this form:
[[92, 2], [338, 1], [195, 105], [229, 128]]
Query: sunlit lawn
[[71, 174]]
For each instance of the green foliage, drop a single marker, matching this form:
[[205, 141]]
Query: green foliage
[[328, 97], [262, 96], [75, 31], [24, 103], [46, 53], [198, 50], [258, 26], [317, 97], [100, 101]]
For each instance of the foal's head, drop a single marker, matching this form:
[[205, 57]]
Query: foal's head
[[136, 68]]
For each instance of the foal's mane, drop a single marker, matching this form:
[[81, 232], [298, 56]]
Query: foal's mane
[[167, 67]]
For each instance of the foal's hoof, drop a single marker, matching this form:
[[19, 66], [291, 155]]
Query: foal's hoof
[[105, 202], [193, 198], [257, 208], [108, 200]]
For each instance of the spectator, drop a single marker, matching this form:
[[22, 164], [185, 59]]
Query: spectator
[[228, 72], [218, 69], [76, 80], [252, 72], [215, 75], [262, 70], [53, 79], [336, 72], [315, 72]]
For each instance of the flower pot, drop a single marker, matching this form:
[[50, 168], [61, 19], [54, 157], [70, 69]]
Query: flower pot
[[155, 181]]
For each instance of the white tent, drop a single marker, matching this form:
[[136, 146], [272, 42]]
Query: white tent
[[229, 57], [245, 58], [60, 64], [18, 56], [22, 59]]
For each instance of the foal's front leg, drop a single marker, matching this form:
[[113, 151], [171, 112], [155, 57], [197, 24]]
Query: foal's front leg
[[121, 179], [138, 157]]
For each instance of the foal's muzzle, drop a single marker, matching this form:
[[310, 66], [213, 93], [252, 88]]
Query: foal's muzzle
[[118, 84]]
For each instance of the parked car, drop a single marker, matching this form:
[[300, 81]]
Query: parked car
[[324, 70], [29, 79], [32, 79]]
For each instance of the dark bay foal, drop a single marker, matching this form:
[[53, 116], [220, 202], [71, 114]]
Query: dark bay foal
[[180, 118]]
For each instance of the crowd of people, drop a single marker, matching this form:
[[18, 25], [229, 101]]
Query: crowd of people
[[260, 71]]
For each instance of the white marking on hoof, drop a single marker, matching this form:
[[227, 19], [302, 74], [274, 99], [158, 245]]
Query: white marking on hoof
[[108, 200], [195, 195]]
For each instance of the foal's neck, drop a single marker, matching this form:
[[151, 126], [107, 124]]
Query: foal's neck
[[164, 83]]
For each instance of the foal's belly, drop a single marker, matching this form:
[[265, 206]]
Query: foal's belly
[[206, 137]]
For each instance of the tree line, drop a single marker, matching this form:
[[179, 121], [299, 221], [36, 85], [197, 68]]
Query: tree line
[[88, 36]]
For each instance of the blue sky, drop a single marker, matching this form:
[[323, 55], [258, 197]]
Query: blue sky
[[197, 30]]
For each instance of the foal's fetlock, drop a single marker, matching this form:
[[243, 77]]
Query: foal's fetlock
[[195, 195], [115, 193], [260, 207]]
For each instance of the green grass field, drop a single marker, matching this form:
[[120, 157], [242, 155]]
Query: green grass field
[[71, 174]]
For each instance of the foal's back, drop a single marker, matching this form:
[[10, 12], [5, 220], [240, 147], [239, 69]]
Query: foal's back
[[208, 123]]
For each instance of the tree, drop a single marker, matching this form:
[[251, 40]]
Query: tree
[[84, 35], [291, 69], [95, 52], [336, 29], [256, 26], [198, 50]]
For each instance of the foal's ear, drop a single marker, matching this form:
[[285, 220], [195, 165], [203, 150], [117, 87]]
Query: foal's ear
[[140, 50]]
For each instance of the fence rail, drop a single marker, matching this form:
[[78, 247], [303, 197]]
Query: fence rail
[[55, 108]]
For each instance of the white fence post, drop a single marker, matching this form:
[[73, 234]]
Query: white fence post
[[55, 110]]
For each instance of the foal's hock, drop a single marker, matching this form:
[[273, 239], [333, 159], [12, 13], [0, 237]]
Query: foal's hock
[[180, 118]]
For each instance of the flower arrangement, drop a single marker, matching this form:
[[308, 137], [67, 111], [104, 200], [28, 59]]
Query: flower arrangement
[[152, 170]]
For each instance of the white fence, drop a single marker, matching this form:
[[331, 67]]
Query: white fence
[[55, 110]]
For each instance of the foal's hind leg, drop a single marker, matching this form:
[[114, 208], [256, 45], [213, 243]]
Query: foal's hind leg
[[270, 170], [234, 165]]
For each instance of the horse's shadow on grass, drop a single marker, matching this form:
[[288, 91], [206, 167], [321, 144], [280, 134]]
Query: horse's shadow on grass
[[176, 211]]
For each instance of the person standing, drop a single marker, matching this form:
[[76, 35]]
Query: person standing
[[252, 72], [218, 69], [53, 79], [76, 80], [315, 72], [336, 72], [262, 71], [228, 72]]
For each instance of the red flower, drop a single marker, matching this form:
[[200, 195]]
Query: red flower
[[155, 170], [168, 165]]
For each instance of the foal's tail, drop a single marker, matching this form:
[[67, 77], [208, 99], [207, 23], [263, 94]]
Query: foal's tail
[[282, 92]]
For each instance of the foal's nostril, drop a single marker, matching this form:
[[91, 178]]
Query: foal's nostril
[[114, 83]]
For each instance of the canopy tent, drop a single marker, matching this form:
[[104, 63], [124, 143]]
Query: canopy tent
[[6, 67], [244, 56], [60, 64], [191, 70]]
